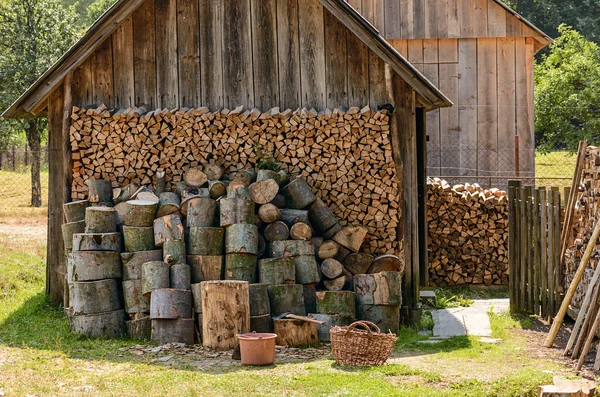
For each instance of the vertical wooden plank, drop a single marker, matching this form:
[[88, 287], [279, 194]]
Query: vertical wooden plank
[[238, 82], [312, 53], [167, 80], [487, 111], [432, 19], [377, 81], [442, 18], [449, 123], [518, 247], [188, 45], [431, 71], [211, 53], [523, 253], [480, 11], [368, 10], [144, 60], [454, 26], [527, 251], [524, 55], [506, 106], [288, 54], [357, 4], [401, 46], [419, 19], [467, 105], [512, 186], [530, 250], [407, 21], [122, 43], [558, 273], [392, 19], [466, 19], [82, 85], [67, 169], [102, 75], [336, 62], [448, 51], [544, 251], [496, 20], [379, 15], [358, 70], [415, 51], [264, 48], [551, 262], [537, 275], [514, 26], [430, 51]]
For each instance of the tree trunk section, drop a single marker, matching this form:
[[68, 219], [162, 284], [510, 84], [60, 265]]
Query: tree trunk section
[[94, 297], [69, 230], [340, 303], [206, 267], [126, 193], [168, 228], [351, 237], [155, 275], [321, 217], [213, 172], [269, 213], [276, 231], [34, 140], [100, 220], [109, 325], [387, 318], [168, 203], [236, 210], [135, 301], [291, 217], [329, 249], [197, 297], [100, 191], [277, 271], [307, 269], [358, 263], [261, 324], [241, 239], [225, 313], [290, 248], [133, 261], [161, 182], [140, 329], [97, 242], [386, 263], [195, 177], [301, 231], [138, 238], [179, 330], [201, 212], [206, 241], [94, 265], [241, 267], [259, 300], [170, 303], [336, 284], [286, 298], [328, 235], [310, 297], [332, 268], [217, 189], [174, 252], [295, 333], [75, 211], [378, 289], [264, 191], [181, 276], [330, 321], [298, 194]]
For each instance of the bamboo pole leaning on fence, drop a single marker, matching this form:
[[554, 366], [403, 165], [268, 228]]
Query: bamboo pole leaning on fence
[[570, 205], [560, 316]]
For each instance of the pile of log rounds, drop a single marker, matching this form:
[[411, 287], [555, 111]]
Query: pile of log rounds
[[468, 234], [344, 155]]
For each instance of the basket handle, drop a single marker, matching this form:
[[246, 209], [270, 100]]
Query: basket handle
[[366, 325]]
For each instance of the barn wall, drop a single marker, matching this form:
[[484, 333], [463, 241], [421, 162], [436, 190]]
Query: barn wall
[[490, 82], [226, 53]]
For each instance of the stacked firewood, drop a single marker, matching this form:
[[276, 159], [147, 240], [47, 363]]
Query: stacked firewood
[[185, 252], [468, 234], [345, 156]]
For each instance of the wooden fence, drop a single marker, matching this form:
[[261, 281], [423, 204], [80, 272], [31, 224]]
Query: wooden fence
[[534, 250]]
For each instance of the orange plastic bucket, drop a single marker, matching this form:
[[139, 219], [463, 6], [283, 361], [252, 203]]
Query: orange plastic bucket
[[257, 349]]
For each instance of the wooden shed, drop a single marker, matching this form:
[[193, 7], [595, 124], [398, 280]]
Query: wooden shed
[[481, 54], [223, 54]]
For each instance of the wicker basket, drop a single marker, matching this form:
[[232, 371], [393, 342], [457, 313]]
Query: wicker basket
[[361, 347]]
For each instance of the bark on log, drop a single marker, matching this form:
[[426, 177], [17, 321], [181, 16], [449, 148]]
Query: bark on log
[[342, 254], [170, 303], [147, 196], [290, 248], [195, 177], [330, 321], [331, 268], [97, 242], [94, 297], [236, 210], [241, 267], [259, 300], [75, 211], [155, 275], [161, 182], [316, 242], [168, 203], [264, 191], [123, 194], [340, 303], [197, 297], [276, 231], [298, 194], [168, 228], [301, 231], [349, 286], [174, 252], [100, 191], [328, 235], [140, 213], [181, 330], [261, 324], [279, 201], [133, 261], [94, 265], [291, 217], [310, 297], [358, 262], [277, 271], [263, 175], [138, 239], [68, 231], [135, 301], [378, 289], [200, 212], [321, 217], [336, 284], [241, 239], [217, 189], [386, 263], [206, 267], [100, 220], [262, 247], [268, 213], [225, 313], [206, 241], [351, 237], [387, 318], [181, 276], [238, 190], [295, 333], [109, 325], [286, 298], [329, 249], [246, 176], [307, 269], [139, 329]]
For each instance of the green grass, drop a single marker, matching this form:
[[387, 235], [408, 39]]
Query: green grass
[[15, 191], [555, 165]]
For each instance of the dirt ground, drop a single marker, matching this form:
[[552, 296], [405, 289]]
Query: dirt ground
[[23, 232]]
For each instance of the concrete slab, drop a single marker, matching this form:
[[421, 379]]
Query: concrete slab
[[448, 322], [477, 323]]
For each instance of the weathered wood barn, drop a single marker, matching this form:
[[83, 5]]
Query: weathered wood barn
[[222, 54], [480, 53]]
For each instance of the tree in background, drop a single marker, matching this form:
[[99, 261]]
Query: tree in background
[[567, 96], [35, 33], [96, 9]]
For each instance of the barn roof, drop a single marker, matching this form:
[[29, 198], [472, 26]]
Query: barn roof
[[543, 39], [33, 101]]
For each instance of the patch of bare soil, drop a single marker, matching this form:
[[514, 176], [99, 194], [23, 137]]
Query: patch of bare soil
[[22, 232]]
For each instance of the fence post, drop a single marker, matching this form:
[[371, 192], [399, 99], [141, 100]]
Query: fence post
[[551, 264], [512, 267], [558, 272], [536, 252], [544, 251]]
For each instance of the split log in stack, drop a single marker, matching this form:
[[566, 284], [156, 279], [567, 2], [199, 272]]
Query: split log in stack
[[468, 234]]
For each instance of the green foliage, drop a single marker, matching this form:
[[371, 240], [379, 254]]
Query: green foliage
[[445, 299], [567, 95], [96, 9], [265, 161]]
